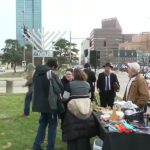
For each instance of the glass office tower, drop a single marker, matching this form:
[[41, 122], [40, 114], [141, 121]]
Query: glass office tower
[[28, 13]]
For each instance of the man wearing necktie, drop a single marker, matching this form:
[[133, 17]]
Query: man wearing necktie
[[108, 85]]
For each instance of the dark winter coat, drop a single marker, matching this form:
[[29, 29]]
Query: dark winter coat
[[72, 127], [41, 86], [65, 83], [91, 78], [113, 81]]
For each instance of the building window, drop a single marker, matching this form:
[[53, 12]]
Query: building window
[[125, 54], [132, 53]]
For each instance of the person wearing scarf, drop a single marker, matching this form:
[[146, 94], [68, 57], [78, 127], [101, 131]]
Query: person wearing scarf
[[136, 90]]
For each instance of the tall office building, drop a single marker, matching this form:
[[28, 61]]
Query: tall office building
[[28, 14]]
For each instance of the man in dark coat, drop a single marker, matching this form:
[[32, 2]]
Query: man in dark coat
[[41, 103], [91, 79], [108, 85]]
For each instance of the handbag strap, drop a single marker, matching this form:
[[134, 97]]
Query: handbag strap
[[49, 74]]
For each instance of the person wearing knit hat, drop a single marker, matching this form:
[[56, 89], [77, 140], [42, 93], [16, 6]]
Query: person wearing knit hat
[[136, 90], [91, 79], [134, 67]]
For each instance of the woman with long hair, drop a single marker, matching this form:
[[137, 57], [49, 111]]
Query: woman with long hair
[[79, 125]]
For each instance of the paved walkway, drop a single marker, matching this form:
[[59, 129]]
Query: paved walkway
[[17, 85], [19, 82]]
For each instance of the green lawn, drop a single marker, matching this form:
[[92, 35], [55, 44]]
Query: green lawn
[[17, 132], [13, 75]]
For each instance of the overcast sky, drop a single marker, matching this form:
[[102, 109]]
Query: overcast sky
[[80, 16]]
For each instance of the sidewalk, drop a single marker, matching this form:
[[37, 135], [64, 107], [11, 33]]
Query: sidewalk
[[120, 95], [17, 85], [12, 79]]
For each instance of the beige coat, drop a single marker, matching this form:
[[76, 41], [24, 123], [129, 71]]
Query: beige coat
[[138, 92]]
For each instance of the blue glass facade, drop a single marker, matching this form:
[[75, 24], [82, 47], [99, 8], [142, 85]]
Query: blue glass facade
[[28, 12]]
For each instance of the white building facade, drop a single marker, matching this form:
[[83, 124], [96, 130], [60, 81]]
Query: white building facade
[[85, 45]]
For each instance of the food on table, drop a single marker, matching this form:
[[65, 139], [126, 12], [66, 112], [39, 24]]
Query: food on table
[[98, 108], [120, 114], [105, 117], [117, 114], [108, 114], [114, 116]]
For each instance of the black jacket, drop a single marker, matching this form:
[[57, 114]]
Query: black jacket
[[101, 82], [65, 83], [41, 89], [91, 78], [72, 127]]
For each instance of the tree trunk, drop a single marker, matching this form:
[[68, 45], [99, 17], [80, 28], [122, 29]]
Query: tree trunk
[[12, 64], [14, 67], [60, 52], [7, 65]]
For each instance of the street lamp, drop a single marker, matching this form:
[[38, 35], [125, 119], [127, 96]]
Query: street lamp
[[24, 53], [104, 39]]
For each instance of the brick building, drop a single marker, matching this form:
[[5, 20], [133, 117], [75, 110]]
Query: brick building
[[111, 32]]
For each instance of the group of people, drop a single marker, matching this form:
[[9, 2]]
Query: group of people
[[70, 99], [136, 89]]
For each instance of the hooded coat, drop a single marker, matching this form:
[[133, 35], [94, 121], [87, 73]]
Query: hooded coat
[[41, 86], [72, 127]]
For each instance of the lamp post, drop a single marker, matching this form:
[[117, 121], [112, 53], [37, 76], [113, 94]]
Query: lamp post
[[24, 47], [118, 59], [70, 47], [24, 53], [89, 48]]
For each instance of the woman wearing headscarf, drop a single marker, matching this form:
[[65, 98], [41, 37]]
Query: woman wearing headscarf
[[136, 90]]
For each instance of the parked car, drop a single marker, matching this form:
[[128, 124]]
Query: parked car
[[147, 77], [121, 67], [2, 69], [145, 69]]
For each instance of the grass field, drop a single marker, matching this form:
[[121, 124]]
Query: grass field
[[17, 132]]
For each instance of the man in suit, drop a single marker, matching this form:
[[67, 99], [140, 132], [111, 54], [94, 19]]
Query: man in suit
[[108, 85]]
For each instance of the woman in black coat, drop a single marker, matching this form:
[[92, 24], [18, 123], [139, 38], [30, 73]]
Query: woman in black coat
[[65, 81], [77, 132], [67, 78]]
